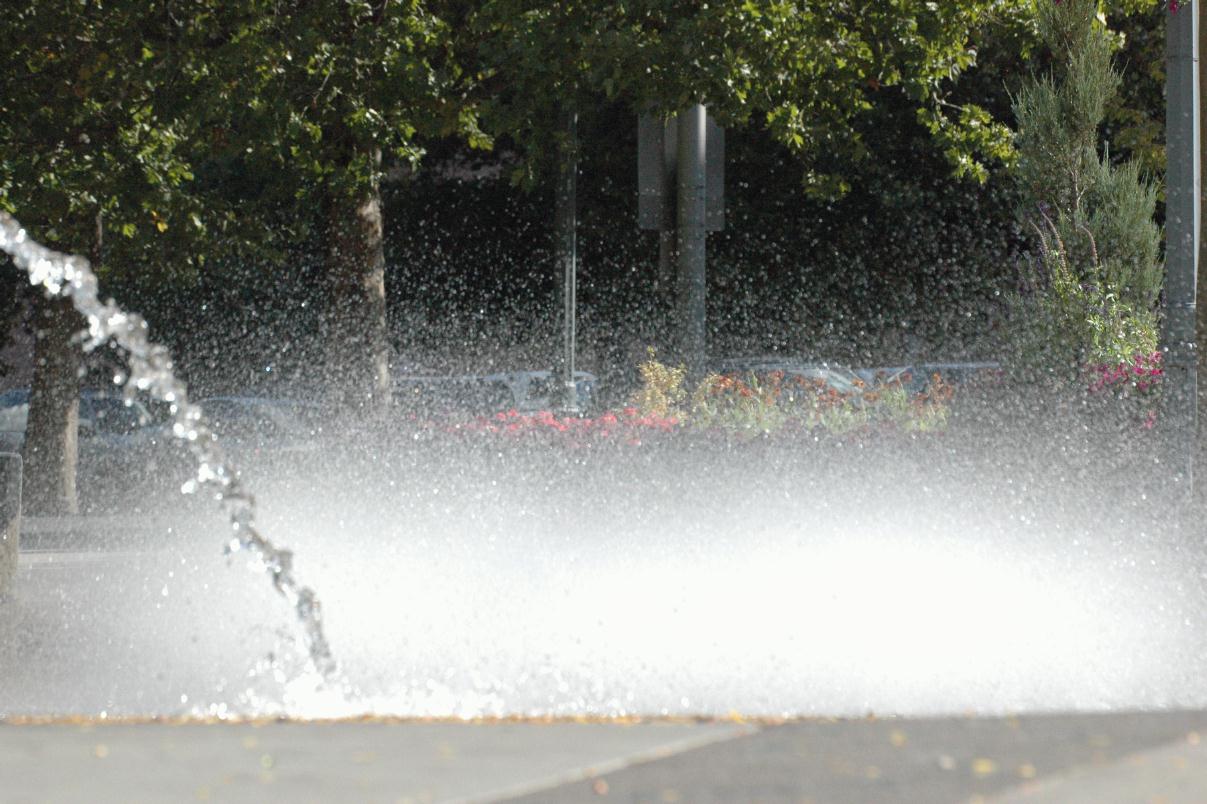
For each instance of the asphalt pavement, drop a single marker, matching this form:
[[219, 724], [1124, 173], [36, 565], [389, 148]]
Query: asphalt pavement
[[1070, 758]]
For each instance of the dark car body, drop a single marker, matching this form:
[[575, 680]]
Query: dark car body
[[526, 391], [124, 448]]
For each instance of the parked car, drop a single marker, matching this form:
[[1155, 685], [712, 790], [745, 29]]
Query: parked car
[[105, 419], [915, 377], [124, 447], [256, 426], [840, 378], [525, 391]]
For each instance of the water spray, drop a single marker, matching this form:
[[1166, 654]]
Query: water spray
[[151, 372]]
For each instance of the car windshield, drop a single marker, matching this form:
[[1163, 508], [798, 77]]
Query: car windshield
[[111, 416], [14, 410], [99, 413], [251, 419], [444, 395]]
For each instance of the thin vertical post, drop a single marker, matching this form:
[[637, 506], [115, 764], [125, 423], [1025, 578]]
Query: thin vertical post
[[566, 250], [1182, 209], [1201, 287], [666, 234], [690, 238]]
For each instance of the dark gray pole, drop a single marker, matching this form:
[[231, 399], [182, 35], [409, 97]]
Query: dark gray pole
[[1181, 239], [690, 238], [566, 250], [1200, 310], [666, 234]]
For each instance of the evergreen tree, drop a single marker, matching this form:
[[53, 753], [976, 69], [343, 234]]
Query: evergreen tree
[[1093, 286]]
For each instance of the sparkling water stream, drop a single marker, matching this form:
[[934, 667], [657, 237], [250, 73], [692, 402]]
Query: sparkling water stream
[[151, 372]]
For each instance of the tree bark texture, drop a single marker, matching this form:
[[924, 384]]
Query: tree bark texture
[[10, 521], [357, 337], [51, 450]]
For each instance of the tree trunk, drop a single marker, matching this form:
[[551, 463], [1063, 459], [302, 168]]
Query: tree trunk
[[51, 453], [357, 340], [10, 521]]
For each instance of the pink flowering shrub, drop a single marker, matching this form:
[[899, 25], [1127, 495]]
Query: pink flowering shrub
[[628, 426], [1136, 384]]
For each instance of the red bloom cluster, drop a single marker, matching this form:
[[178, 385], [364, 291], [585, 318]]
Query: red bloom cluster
[[1140, 379], [1144, 373]]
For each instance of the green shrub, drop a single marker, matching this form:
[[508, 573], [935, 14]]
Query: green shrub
[[1076, 318], [1090, 288], [661, 392], [765, 404]]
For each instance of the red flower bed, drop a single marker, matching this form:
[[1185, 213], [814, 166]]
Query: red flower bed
[[1139, 381], [628, 426]]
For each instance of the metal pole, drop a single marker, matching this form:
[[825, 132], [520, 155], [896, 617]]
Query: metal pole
[[565, 225], [690, 238], [1201, 286], [1181, 240], [666, 234]]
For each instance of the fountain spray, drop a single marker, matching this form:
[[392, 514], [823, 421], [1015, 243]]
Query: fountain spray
[[151, 372]]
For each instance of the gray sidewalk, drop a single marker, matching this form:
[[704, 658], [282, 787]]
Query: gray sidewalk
[[1049, 759], [1134, 757], [101, 531]]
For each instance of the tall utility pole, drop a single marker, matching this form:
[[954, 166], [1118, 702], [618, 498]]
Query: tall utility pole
[[565, 226], [681, 194], [1201, 284], [692, 285], [1182, 209], [666, 221]]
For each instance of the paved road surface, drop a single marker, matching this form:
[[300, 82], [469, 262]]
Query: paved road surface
[[1127, 757]]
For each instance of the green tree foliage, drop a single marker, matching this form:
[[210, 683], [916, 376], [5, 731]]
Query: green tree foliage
[[805, 71], [81, 119], [89, 158], [1094, 282], [324, 91], [1135, 117], [319, 87]]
